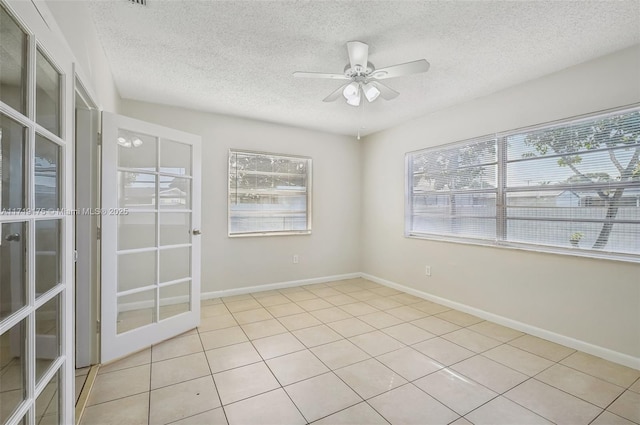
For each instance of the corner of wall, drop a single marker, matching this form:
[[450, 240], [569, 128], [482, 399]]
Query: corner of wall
[[74, 24], [589, 300]]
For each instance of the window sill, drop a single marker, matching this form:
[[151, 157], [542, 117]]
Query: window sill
[[572, 252], [261, 234]]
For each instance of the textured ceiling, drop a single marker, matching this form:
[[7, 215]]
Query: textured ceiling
[[237, 57]]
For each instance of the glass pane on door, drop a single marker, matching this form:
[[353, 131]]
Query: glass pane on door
[[175, 299], [47, 335], [137, 151], [13, 66], [174, 193], [47, 94], [136, 230], [175, 228], [175, 264], [47, 176], [48, 245], [12, 160], [175, 158], [136, 270], [136, 310], [136, 190], [13, 369], [13, 266], [48, 402]]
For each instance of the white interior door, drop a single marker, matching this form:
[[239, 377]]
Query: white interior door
[[36, 222], [150, 234]]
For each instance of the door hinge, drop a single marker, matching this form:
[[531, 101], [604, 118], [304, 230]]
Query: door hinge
[[99, 139], [75, 256], [97, 326], [99, 234]]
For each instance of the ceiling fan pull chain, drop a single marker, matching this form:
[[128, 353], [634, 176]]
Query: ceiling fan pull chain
[[362, 115], [362, 118]]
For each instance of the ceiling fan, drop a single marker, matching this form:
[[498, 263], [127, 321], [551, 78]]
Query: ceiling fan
[[363, 76]]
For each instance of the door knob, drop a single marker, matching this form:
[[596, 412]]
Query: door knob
[[14, 237], [196, 232]]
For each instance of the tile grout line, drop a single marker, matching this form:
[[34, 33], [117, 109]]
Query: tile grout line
[[273, 374], [475, 354], [340, 378], [574, 395], [332, 371], [544, 383], [481, 354], [215, 386], [502, 394]]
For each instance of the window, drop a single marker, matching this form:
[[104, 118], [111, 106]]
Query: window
[[572, 186], [269, 194]]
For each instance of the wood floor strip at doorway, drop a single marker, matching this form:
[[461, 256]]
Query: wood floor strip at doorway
[[86, 391]]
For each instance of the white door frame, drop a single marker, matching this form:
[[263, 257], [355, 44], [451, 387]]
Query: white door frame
[[87, 186]]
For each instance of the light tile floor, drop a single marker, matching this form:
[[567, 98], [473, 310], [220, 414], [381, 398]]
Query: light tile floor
[[355, 352]]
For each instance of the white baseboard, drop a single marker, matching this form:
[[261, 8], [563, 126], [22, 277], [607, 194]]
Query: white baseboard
[[278, 285], [605, 353], [139, 305]]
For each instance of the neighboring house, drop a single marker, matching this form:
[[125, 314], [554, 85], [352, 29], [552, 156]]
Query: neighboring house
[[536, 198], [630, 198], [46, 183]]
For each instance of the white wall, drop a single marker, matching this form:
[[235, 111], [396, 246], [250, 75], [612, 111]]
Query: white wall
[[228, 263], [73, 20], [595, 301]]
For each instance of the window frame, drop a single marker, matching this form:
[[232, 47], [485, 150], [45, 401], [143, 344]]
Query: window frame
[[308, 191], [502, 189]]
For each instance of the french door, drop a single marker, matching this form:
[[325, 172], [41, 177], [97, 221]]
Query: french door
[[150, 234], [36, 222]]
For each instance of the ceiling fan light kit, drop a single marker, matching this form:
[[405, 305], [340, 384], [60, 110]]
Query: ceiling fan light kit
[[352, 93], [363, 76], [371, 92]]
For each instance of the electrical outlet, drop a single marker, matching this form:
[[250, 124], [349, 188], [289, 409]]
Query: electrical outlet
[[427, 270], [296, 259]]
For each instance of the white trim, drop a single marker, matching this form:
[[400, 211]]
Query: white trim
[[86, 183], [596, 350], [277, 285]]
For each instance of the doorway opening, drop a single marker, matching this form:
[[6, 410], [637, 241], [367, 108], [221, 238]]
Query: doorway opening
[[87, 243]]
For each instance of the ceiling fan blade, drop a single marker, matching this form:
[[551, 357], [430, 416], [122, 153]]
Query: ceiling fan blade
[[336, 94], [300, 74], [394, 71], [358, 53], [386, 92]]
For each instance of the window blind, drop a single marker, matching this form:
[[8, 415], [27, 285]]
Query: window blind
[[268, 193], [454, 189], [571, 185]]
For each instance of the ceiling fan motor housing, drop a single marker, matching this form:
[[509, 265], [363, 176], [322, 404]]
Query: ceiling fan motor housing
[[358, 70]]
